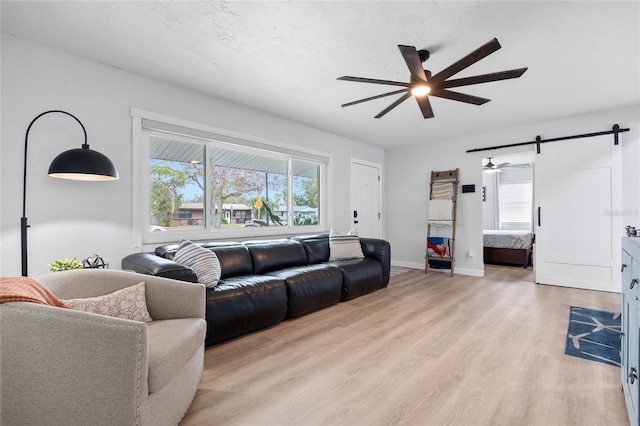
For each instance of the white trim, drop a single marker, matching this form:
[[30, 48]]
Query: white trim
[[136, 184]]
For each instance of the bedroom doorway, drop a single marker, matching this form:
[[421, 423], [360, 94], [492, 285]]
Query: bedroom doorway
[[507, 209]]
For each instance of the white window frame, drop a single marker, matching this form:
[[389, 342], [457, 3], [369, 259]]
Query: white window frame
[[513, 225], [145, 123]]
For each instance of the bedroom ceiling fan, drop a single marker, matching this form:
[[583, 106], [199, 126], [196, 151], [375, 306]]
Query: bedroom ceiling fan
[[490, 167], [493, 167], [422, 84]]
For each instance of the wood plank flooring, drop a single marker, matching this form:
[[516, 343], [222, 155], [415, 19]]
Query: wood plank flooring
[[428, 350]]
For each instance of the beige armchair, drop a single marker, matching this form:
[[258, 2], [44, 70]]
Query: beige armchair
[[64, 367]]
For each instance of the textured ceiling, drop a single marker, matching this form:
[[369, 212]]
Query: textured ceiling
[[284, 57]]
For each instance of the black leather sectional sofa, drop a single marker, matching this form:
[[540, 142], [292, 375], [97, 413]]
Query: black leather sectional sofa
[[264, 282]]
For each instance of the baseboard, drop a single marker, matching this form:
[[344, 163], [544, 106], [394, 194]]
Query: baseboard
[[462, 271], [471, 272], [410, 265]]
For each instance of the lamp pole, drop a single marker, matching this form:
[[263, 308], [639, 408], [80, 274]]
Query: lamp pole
[[24, 225]]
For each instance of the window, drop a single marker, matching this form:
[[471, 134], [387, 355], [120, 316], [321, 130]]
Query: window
[[198, 183], [305, 193], [516, 199], [176, 179]]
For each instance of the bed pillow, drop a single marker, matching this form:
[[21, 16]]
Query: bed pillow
[[204, 262], [129, 303], [343, 247]]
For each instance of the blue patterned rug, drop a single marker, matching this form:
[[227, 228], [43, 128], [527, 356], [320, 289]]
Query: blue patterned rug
[[594, 335]]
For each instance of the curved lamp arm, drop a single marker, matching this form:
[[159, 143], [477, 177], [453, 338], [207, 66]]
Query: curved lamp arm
[[26, 141], [78, 164]]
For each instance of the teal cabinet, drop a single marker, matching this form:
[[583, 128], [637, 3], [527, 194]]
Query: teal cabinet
[[630, 356]]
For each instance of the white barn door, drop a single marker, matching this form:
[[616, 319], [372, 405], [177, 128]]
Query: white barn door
[[577, 192], [365, 198]]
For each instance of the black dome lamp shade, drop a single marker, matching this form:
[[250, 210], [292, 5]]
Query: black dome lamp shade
[[76, 164], [83, 164]]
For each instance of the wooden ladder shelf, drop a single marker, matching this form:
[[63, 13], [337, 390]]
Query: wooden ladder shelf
[[443, 186]]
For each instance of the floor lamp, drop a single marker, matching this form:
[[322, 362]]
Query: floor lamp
[[77, 164]]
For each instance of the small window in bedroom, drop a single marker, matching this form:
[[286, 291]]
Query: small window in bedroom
[[516, 201]]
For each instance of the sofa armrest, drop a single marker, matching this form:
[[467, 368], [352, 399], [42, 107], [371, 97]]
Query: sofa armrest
[[381, 251], [171, 299], [55, 361], [166, 298], [150, 264]]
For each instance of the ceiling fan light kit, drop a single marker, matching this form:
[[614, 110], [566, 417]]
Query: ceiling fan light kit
[[420, 90], [423, 84], [490, 167]]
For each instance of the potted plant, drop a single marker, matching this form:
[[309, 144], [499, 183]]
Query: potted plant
[[65, 265]]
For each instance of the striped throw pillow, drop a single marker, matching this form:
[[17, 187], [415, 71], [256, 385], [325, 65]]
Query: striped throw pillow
[[344, 246], [204, 262]]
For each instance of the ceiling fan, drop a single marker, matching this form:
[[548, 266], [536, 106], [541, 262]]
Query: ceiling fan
[[422, 84], [494, 167], [506, 165]]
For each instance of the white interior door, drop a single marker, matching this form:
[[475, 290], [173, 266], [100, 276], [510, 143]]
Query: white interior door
[[365, 198], [577, 190]]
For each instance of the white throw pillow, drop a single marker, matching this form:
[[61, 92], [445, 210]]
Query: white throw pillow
[[344, 246], [129, 303], [204, 262]]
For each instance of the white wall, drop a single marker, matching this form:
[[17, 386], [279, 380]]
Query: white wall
[[70, 218], [76, 219], [408, 173]]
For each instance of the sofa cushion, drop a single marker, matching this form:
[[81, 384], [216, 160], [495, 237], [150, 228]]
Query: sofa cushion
[[239, 305], [344, 246], [128, 303], [171, 344], [203, 261], [275, 254], [316, 247], [235, 260], [359, 277], [168, 251], [311, 287]]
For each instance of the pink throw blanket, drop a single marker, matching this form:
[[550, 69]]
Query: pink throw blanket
[[25, 289]]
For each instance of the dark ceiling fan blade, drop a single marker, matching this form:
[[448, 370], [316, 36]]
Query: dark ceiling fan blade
[[373, 80], [473, 57], [393, 105], [425, 106], [460, 97], [395, 92], [411, 57], [484, 78]]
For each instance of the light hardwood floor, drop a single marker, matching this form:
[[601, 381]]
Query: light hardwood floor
[[428, 350]]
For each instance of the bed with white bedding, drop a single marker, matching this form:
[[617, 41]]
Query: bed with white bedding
[[508, 247]]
